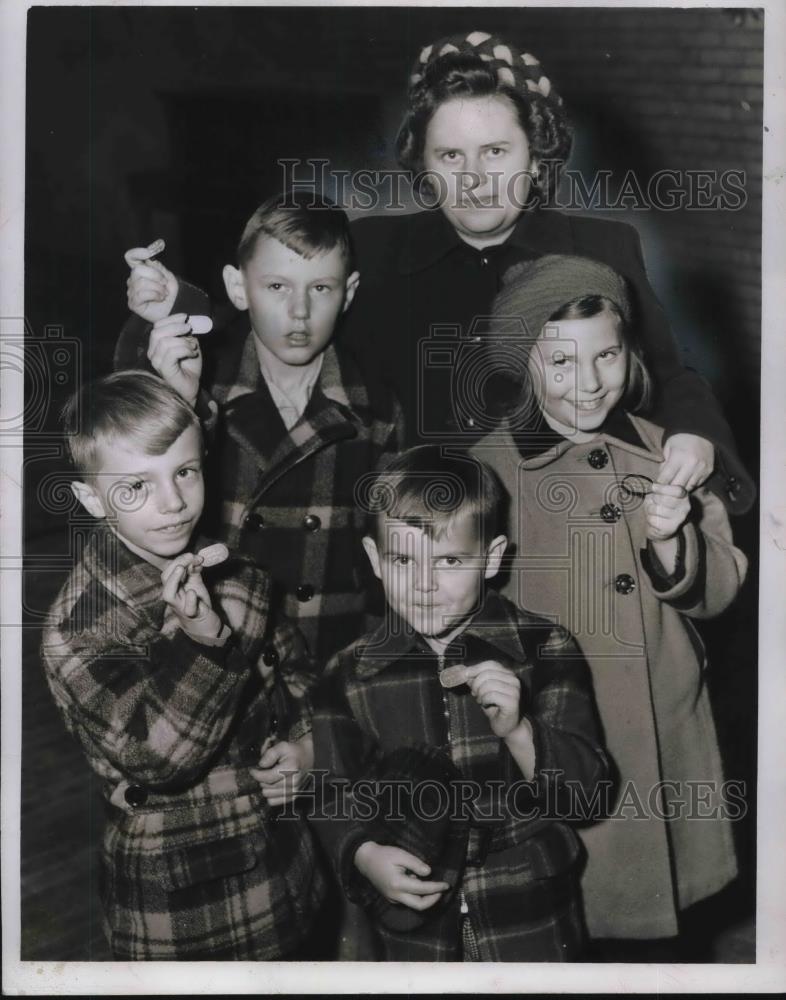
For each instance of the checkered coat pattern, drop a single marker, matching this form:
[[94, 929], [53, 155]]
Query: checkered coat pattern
[[288, 498], [194, 863], [520, 880]]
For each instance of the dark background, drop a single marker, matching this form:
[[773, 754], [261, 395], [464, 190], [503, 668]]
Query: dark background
[[146, 122]]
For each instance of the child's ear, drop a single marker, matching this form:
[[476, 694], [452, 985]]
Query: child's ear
[[89, 499], [235, 285], [373, 554], [494, 554], [351, 287]]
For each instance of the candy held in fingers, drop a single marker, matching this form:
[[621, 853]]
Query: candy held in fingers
[[142, 254], [212, 555], [155, 248], [451, 677], [200, 324]]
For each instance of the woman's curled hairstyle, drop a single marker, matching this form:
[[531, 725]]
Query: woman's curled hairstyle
[[481, 65]]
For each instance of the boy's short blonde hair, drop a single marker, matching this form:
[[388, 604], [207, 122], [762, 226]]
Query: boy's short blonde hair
[[303, 221], [129, 406]]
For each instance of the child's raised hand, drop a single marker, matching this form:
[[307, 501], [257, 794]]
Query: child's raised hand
[[398, 875], [185, 592], [665, 510], [498, 692], [688, 461], [283, 769], [175, 354], [152, 289]]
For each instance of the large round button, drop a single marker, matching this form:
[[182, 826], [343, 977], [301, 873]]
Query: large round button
[[625, 584], [254, 521], [304, 592], [597, 458], [311, 522], [610, 512], [135, 795], [270, 656]]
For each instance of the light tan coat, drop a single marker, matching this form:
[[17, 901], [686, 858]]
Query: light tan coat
[[647, 663]]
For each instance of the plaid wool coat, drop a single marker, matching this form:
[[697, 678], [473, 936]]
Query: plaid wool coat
[[520, 882], [288, 498], [193, 862]]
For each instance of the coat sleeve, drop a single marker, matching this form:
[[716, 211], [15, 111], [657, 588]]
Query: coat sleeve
[[342, 752], [684, 401], [714, 568], [565, 724], [159, 713]]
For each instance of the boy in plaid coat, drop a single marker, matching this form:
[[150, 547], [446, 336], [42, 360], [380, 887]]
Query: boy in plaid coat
[[505, 694], [293, 425], [189, 704]]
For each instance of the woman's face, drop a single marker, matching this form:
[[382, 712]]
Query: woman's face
[[479, 159]]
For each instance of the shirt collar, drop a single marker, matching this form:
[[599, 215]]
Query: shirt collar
[[393, 640], [431, 237]]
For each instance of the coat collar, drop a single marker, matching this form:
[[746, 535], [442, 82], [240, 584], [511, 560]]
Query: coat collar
[[503, 441], [134, 582], [394, 640], [339, 405], [431, 237]]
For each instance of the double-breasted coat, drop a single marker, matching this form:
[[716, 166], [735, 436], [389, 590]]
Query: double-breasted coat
[[579, 556], [193, 862], [289, 498]]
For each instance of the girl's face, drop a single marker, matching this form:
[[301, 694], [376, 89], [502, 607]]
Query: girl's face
[[579, 368], [479, 156]]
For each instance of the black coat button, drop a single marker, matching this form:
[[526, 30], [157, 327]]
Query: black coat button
[[610, 512], [254, 521], [311, 522], [598, 458], [252, 753], [270, 656], [304, 592], [625, 584], [273, 722], [135, 795]]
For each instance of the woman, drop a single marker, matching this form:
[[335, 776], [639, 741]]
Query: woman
[[485, 137]]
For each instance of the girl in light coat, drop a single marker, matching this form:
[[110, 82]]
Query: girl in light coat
[[623, 563]]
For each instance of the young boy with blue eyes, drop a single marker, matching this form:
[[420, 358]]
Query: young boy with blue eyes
[[504, 694], [190, 704], [296, 427]]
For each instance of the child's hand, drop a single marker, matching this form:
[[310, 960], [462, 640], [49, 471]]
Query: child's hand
[[498, 692], [398, 875], [665, 509], [185, 592], [283, 769], [688, 461], [152, 289], [176, 355]]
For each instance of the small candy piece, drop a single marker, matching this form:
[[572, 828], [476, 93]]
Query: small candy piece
[[212, 555], [155, 248], [451, 677], [200, 324]]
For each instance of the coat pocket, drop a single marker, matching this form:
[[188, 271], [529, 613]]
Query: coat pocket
[[205, 862]]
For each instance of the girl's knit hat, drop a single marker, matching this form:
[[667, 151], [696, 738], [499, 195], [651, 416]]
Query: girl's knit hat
[[535, 289], [517, 69]]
